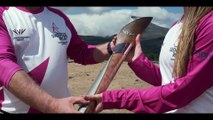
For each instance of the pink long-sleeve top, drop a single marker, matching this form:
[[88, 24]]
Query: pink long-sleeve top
[[192, 93]]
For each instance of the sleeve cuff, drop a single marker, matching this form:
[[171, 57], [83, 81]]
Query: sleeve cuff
[[137, 62]]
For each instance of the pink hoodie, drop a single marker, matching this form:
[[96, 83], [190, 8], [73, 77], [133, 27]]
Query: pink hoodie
[[184, 92]]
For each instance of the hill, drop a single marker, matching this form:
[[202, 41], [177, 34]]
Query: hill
[[151, 41]]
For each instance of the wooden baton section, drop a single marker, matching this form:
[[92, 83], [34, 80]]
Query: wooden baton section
[[124, 43]]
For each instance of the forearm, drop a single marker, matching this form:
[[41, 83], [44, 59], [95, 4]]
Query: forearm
[[83, 53], [146, 70], [100, 53], [164, 98], [23, 87]]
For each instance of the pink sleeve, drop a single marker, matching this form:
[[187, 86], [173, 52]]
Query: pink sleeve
[[8, 65], [78, 50], [146, 70], [173, 95]]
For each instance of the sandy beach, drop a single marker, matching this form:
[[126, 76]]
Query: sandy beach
[[81, 78]]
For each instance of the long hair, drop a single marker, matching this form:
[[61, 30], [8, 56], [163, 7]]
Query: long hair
[[185, 47]]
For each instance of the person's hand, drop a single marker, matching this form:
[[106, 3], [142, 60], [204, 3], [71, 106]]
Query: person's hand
[[98, 99], [113, 42], [136, 51], [66, 105], [111, 45]]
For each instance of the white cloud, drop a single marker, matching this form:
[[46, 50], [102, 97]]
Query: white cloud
[[108, 23], [103, 21], [85, 10], [98, 10], [160, 16]]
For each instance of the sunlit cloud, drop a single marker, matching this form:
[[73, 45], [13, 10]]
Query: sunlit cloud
[[105, 21]]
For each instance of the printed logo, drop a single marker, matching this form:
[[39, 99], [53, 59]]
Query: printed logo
[[203, 55], [19, 33], [61, 36], [174, 51], [127, 32], [54, 28]]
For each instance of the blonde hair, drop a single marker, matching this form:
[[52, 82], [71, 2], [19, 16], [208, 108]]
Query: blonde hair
[[185, 47]]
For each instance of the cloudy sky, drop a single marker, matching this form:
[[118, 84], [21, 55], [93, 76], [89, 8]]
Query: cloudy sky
[[104, 21]]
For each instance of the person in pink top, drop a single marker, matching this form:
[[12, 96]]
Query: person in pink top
[[35, 43], [183, 81]]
